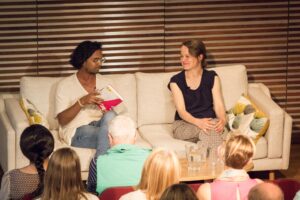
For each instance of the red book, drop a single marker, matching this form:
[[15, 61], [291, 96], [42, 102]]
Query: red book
[[111, 98]]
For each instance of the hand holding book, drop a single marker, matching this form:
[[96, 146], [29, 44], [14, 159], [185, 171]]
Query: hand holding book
[[111, 98]]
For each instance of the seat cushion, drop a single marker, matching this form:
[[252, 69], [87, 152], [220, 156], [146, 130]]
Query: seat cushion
[[160, 135], [261, 148]]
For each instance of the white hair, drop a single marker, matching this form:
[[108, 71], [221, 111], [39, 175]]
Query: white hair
[[122, 127]]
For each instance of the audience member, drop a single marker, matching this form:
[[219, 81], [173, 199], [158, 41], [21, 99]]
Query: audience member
[[234, 182], [123, 162], [63, 178], [265, 191], [200, 111], [160, 170], [179, 191], [36, 143], [82, 123], [297, 196]]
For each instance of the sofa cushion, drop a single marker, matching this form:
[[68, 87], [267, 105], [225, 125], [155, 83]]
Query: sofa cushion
[[154, 101], [33, 115], [234, 82], [125, 84], [261, 148], [41, 92], [246, 117]]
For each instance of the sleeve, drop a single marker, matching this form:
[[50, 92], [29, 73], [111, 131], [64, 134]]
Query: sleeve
[[5, 187], [92, 177], [174, 79], [61, 99], [212, 75]]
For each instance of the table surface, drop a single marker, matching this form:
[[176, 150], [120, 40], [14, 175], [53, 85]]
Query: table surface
[[206, 172]]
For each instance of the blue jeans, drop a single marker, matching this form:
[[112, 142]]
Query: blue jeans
[[94, 135]]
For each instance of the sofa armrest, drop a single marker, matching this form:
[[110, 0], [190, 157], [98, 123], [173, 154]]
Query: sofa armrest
[[7, 143], [15, 114], [274, 135], [14, 121], [287, 136]]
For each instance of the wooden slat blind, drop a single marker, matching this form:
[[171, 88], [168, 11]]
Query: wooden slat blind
[[37, 37], [18, 42], [293, 76], [132, 33]]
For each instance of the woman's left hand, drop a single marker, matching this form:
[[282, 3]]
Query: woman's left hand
[[220, 126]]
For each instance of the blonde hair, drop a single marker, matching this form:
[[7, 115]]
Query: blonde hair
[[63, 176], [239, 149], [161, 169]]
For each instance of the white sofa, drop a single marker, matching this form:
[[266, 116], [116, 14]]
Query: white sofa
[[149, 103]]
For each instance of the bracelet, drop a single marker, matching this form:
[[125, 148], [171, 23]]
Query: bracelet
[[80, 104]]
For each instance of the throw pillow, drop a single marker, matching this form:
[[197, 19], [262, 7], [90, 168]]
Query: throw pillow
[[33, 115], [247, 118]]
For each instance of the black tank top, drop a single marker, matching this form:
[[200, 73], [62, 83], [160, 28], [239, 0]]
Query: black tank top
[[198, 102]]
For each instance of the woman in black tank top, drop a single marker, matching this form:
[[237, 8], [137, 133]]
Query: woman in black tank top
[[200, 112]]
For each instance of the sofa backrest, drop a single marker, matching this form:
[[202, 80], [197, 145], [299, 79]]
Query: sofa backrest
[[41, 92], [125, 84], [234, 82], [155, 103], [146, 96]]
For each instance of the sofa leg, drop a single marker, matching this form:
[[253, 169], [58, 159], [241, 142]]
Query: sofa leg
[[271, 175]]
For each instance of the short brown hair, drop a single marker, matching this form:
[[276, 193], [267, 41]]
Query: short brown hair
[[239, 149], [196, 48]]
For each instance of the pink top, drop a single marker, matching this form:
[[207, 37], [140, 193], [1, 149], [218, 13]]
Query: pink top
[[221, 189]]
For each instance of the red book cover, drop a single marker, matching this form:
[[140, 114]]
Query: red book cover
[[111, 98]]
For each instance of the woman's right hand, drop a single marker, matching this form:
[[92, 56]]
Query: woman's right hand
[[205, 124]]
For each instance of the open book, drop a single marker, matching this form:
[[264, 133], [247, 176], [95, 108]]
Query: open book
[[111, 98]]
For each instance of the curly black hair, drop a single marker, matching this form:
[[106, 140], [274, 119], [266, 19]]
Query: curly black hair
[[82, 52]]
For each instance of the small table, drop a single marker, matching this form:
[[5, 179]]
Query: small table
[[206, 172]]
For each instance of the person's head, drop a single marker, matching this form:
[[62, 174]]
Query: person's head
[[265, 191], [87, 55], [193, 54], [37, 143], [63, 176], [239, 150], [122, 130], [179, 191], [161, 169]]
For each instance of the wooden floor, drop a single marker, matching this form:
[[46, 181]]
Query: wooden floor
[[293, 171]]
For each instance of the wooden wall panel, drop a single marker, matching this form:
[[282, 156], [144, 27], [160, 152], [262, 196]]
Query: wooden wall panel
[[293, 76], [18, 42], [132, 33], [37, 37]]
